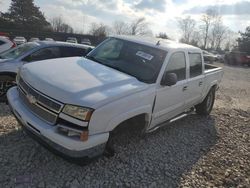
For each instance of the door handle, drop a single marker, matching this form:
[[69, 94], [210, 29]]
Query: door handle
[[184, 88], [200, 83]]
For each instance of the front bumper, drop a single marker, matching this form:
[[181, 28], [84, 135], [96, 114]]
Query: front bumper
[[49, 136]]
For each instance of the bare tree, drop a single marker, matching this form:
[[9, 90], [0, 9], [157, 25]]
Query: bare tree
[[120, 28], [99, 30], [65, 28], [218, 34], [139, 27], [162, 35], [207, 19], [230, 40], [196, 38], [58, 25], [186, 26]]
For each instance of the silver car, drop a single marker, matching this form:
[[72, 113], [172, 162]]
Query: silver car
[[19, 40], [12, 60]]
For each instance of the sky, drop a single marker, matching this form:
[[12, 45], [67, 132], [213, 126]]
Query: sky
[[162, 15]]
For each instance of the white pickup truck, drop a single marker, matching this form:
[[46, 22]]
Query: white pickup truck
[[74, 104]]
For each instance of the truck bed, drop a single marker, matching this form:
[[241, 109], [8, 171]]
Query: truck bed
[[211, 68], [213, 75]]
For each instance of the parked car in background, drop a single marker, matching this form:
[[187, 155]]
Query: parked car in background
[[237, 58], [209, 57], [71, 40], [5, 44], [34, 39], [124, 79], [49, 39], [12, 60], [218, 56], [85, 41], [19, 40]]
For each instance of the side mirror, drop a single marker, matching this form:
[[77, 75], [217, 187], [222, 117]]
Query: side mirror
[[169, 79]]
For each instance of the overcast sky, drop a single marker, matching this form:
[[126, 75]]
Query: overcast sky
[[161, 14]]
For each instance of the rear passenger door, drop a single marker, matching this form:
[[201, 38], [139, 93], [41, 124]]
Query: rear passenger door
[[196, 79]]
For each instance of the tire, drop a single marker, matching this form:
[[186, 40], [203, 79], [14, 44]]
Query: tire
[[207, 104], [6, 82], [109, 149]]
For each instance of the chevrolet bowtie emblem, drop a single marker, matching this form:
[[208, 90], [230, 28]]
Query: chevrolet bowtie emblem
[[31, 99]]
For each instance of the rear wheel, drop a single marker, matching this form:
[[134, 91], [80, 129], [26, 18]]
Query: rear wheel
[[6, 82], [206, 106]]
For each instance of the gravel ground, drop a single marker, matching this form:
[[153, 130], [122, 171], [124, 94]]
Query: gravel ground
[[193, 152]]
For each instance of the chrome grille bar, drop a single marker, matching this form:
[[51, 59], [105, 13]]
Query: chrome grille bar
[[45, 108]]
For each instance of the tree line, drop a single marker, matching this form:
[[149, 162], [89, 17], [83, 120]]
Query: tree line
[[208, 33]]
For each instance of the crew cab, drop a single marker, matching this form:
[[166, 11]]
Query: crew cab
[[74, 104]]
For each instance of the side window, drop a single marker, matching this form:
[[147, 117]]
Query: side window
[[2, 42], [177, 65], [42, 54], [72, 51], [195, 64]]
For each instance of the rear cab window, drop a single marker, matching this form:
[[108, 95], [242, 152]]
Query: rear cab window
[[195, 63]]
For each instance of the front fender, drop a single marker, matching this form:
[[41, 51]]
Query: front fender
[[10, 67]]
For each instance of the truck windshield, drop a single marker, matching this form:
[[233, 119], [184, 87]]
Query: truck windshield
[[18, 51], [140, 61]]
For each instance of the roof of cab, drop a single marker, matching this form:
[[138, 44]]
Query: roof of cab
[[58, 43], [163, 44]]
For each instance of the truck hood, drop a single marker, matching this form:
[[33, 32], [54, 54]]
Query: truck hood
[[79, 81]]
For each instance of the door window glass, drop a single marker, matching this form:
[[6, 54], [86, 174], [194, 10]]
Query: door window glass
[[42, 54], [195, 64], [177, 65]]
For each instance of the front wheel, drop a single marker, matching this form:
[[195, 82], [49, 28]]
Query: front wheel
[[206, 106], [6, 82]]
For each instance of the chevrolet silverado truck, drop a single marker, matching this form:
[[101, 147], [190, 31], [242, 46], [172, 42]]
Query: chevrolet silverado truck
[[73, 105]]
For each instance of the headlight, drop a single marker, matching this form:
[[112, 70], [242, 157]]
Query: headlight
[[78, 112]]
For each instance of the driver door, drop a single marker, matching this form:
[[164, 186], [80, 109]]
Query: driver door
[[170, 100]]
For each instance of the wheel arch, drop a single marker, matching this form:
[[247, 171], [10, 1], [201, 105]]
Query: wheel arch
[[143, 114]]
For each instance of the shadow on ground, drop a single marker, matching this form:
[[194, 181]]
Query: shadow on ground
[[158, 159]]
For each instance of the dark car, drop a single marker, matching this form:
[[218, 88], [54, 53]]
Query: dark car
[[237, 58], [13, 59]]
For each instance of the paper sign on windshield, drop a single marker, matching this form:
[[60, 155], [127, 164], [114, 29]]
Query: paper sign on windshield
[[144, 55]]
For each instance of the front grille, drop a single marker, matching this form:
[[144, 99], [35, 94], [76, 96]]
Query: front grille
[[43, 107], [45, 101]]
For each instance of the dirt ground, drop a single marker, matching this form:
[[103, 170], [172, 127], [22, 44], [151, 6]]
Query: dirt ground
[[196, 151], [235, 88]]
